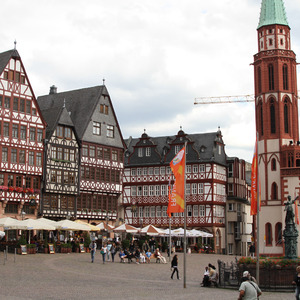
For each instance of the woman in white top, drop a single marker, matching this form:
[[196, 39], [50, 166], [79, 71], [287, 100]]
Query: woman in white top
[[103, 252]]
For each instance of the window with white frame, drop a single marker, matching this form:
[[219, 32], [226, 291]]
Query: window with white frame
[[168, 170], [189, 210], [188, 168], [157, 190], [145, 190], [133, 172], [145, 171], [195, 168], [230, 206], [139, 191], [202, 210], [195, 211], [152, 211], [163, 190], [156, 171], [230, 227], [162, 170], [158, 211], [140, 152], [140, 212], [148, 151], [187, 189], [151, 190], [230, 248], [110, 131], [96, 128], [150, 171], [201, 168], [133, 191], [194, 188], [164, 211], [147, 211], [177, 148], [200, 188], [139, 171]]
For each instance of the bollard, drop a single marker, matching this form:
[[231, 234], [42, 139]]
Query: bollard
[[4, 257], [15, 255], [6, 252]]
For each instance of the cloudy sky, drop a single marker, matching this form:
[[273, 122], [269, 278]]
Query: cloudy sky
[[156, 56]]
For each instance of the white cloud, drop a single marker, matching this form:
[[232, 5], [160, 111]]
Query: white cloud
[[156, 57]]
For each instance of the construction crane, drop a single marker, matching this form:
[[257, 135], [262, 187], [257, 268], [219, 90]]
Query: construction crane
[[224, 99]]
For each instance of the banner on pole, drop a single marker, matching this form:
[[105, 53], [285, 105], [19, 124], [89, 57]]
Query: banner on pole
[[176, 196], [254, 182]]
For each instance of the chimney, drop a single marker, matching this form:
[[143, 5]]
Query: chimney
[[53, 90]]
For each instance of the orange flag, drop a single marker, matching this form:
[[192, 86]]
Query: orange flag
[[176, 198], [254, 182]]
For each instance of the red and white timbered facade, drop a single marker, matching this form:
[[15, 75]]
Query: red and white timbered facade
[[147, 176], [22, 130]]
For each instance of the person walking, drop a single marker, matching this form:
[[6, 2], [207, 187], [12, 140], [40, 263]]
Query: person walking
[[103, 252], [174, 266], [296, 282], [93, 247], [249, 290], [113, 251], [252, 250]]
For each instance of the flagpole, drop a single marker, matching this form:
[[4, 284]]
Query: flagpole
[[170, 242], [184, 238], [257, 218]]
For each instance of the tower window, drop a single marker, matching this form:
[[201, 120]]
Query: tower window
[[286, 117], [259, 79], [268, 233], [271, 77], [270, 42], [274, 191], [272, 116], [273, 164], [285, 77]]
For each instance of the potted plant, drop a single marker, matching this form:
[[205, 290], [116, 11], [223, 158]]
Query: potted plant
[[31, 248], [87, 241], [46, 246], [22, 241], [65, 248]]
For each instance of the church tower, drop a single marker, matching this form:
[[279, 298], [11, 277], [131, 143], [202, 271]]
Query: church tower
[[276, 111]]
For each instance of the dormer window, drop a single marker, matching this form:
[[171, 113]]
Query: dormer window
[[140, 152], [177, 148], [148, 151], [104, 109]]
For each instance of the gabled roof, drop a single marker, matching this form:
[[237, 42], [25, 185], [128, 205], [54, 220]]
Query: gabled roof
[[202, 147], [272, 12], [80, 105], [56, 116], [6, 56]]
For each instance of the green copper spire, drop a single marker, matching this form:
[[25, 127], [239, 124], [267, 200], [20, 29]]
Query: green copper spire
[[272, 12]]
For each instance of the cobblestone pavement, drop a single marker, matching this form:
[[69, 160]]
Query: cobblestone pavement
[[73, 276]]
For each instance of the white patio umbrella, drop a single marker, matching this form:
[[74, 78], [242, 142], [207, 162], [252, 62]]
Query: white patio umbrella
[[126, 228], [197, 233], [104, 226], [36, 224], [152, 230], [11, 224], [70, 225], [47, 221], [2, 234]]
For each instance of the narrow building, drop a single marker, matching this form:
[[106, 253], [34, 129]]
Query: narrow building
[[22, 130]]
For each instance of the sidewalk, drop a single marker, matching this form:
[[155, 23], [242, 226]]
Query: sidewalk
[[73, 276]]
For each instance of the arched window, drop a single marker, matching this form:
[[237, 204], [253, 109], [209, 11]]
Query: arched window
[[260, 118], [274, 191], [273, 164], [286, 116], [278, 233], [268, 234], [285, 77], [272, 116], [271, 77], [259, 79]]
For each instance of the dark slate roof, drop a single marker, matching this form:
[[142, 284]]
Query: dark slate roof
[[202, 147], [6, 56], [54, 116], [80, 103]]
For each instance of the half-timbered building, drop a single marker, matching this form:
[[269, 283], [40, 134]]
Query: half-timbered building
[[61, 167], [102, 149], [147, 175], [22, 130]]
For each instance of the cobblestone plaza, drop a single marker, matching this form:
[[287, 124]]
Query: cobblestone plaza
[[73, 276]]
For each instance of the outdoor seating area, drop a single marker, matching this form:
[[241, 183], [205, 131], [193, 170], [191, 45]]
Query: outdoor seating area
[[43, 235]]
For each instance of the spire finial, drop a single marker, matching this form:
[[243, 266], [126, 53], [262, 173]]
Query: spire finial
[[144, 130], [15, 42], [103, 81], [180, 127]]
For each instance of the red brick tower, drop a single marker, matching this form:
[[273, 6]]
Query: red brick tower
[[276, 122]]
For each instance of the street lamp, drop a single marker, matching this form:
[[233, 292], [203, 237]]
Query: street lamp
[[23, 213]]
